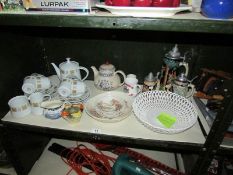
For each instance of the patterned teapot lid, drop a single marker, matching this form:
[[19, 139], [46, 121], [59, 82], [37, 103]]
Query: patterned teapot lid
[[107, 66]]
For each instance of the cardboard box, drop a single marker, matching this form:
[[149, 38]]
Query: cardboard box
[[80, 6]]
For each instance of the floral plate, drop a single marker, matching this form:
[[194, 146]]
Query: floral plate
[[109, 107]]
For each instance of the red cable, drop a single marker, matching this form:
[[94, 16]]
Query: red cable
[[99, 163]]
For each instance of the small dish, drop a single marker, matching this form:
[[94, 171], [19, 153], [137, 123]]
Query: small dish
[[72, 112], [110, 106], [52, 108]]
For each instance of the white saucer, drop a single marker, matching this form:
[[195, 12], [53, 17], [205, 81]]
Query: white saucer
[[144, 11], [80, 98]]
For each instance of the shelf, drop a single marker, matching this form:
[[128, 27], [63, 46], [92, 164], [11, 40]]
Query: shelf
[[7, 171], [128, 131], [182, 22], [50, 163]]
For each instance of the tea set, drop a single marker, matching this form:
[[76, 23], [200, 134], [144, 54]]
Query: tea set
[[71, 88]]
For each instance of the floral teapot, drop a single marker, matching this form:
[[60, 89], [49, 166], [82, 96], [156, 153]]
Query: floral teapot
[[106, 78], [70, 68]]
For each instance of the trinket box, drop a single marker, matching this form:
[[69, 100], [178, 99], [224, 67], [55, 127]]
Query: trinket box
[[72, 112]]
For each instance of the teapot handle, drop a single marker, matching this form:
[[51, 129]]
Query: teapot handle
[[86, 70], [123, 74], [186, 66], [191, 92]]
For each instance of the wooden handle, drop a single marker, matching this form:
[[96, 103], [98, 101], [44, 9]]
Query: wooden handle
[[204, 96], [217, 97]]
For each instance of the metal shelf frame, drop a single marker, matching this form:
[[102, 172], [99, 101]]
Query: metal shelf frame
[[218, 27], [182, 24]]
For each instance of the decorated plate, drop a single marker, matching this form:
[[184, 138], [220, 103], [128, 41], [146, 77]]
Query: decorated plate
[[109, 106]]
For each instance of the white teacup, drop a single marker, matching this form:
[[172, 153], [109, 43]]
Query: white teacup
[[35, 100], [78, 89], [64, 89], [72, 88], [35, 83], [19, 106], [53, 108]]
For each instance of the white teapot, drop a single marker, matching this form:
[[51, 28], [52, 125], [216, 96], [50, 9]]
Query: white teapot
[[106, 78], [70, 68]]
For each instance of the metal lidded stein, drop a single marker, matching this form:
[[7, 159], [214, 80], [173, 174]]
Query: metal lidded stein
[[173, 60], [182, 86], [106, 78]]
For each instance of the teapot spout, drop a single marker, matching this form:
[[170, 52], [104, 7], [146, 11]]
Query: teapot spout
[[57, 70], [96, 72]]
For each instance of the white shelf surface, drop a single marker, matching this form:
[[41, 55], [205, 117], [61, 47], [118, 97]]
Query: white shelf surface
[[201, 117], [227, 143], [50, 163], [7, 171], [129, 127]]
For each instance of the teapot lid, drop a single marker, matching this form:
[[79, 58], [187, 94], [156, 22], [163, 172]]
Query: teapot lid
[[107, 66], [68, 65]]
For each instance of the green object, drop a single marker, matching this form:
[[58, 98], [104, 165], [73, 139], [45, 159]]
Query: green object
[[166, 119], [124, 165]]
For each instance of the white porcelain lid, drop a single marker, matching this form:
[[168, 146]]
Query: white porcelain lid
[[69, 65]]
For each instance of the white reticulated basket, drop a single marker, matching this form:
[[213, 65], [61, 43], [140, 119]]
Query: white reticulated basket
[[147, 106]]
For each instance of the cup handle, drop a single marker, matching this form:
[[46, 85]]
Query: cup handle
[[47, 95], [139, 87], [192, 87], [186, 67], [123, 74], [86, 70]]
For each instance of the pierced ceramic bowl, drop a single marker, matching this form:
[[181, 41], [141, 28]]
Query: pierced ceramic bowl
[[147, 106]]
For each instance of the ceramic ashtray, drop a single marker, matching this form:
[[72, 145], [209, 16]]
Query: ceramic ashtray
[[72, 112]]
